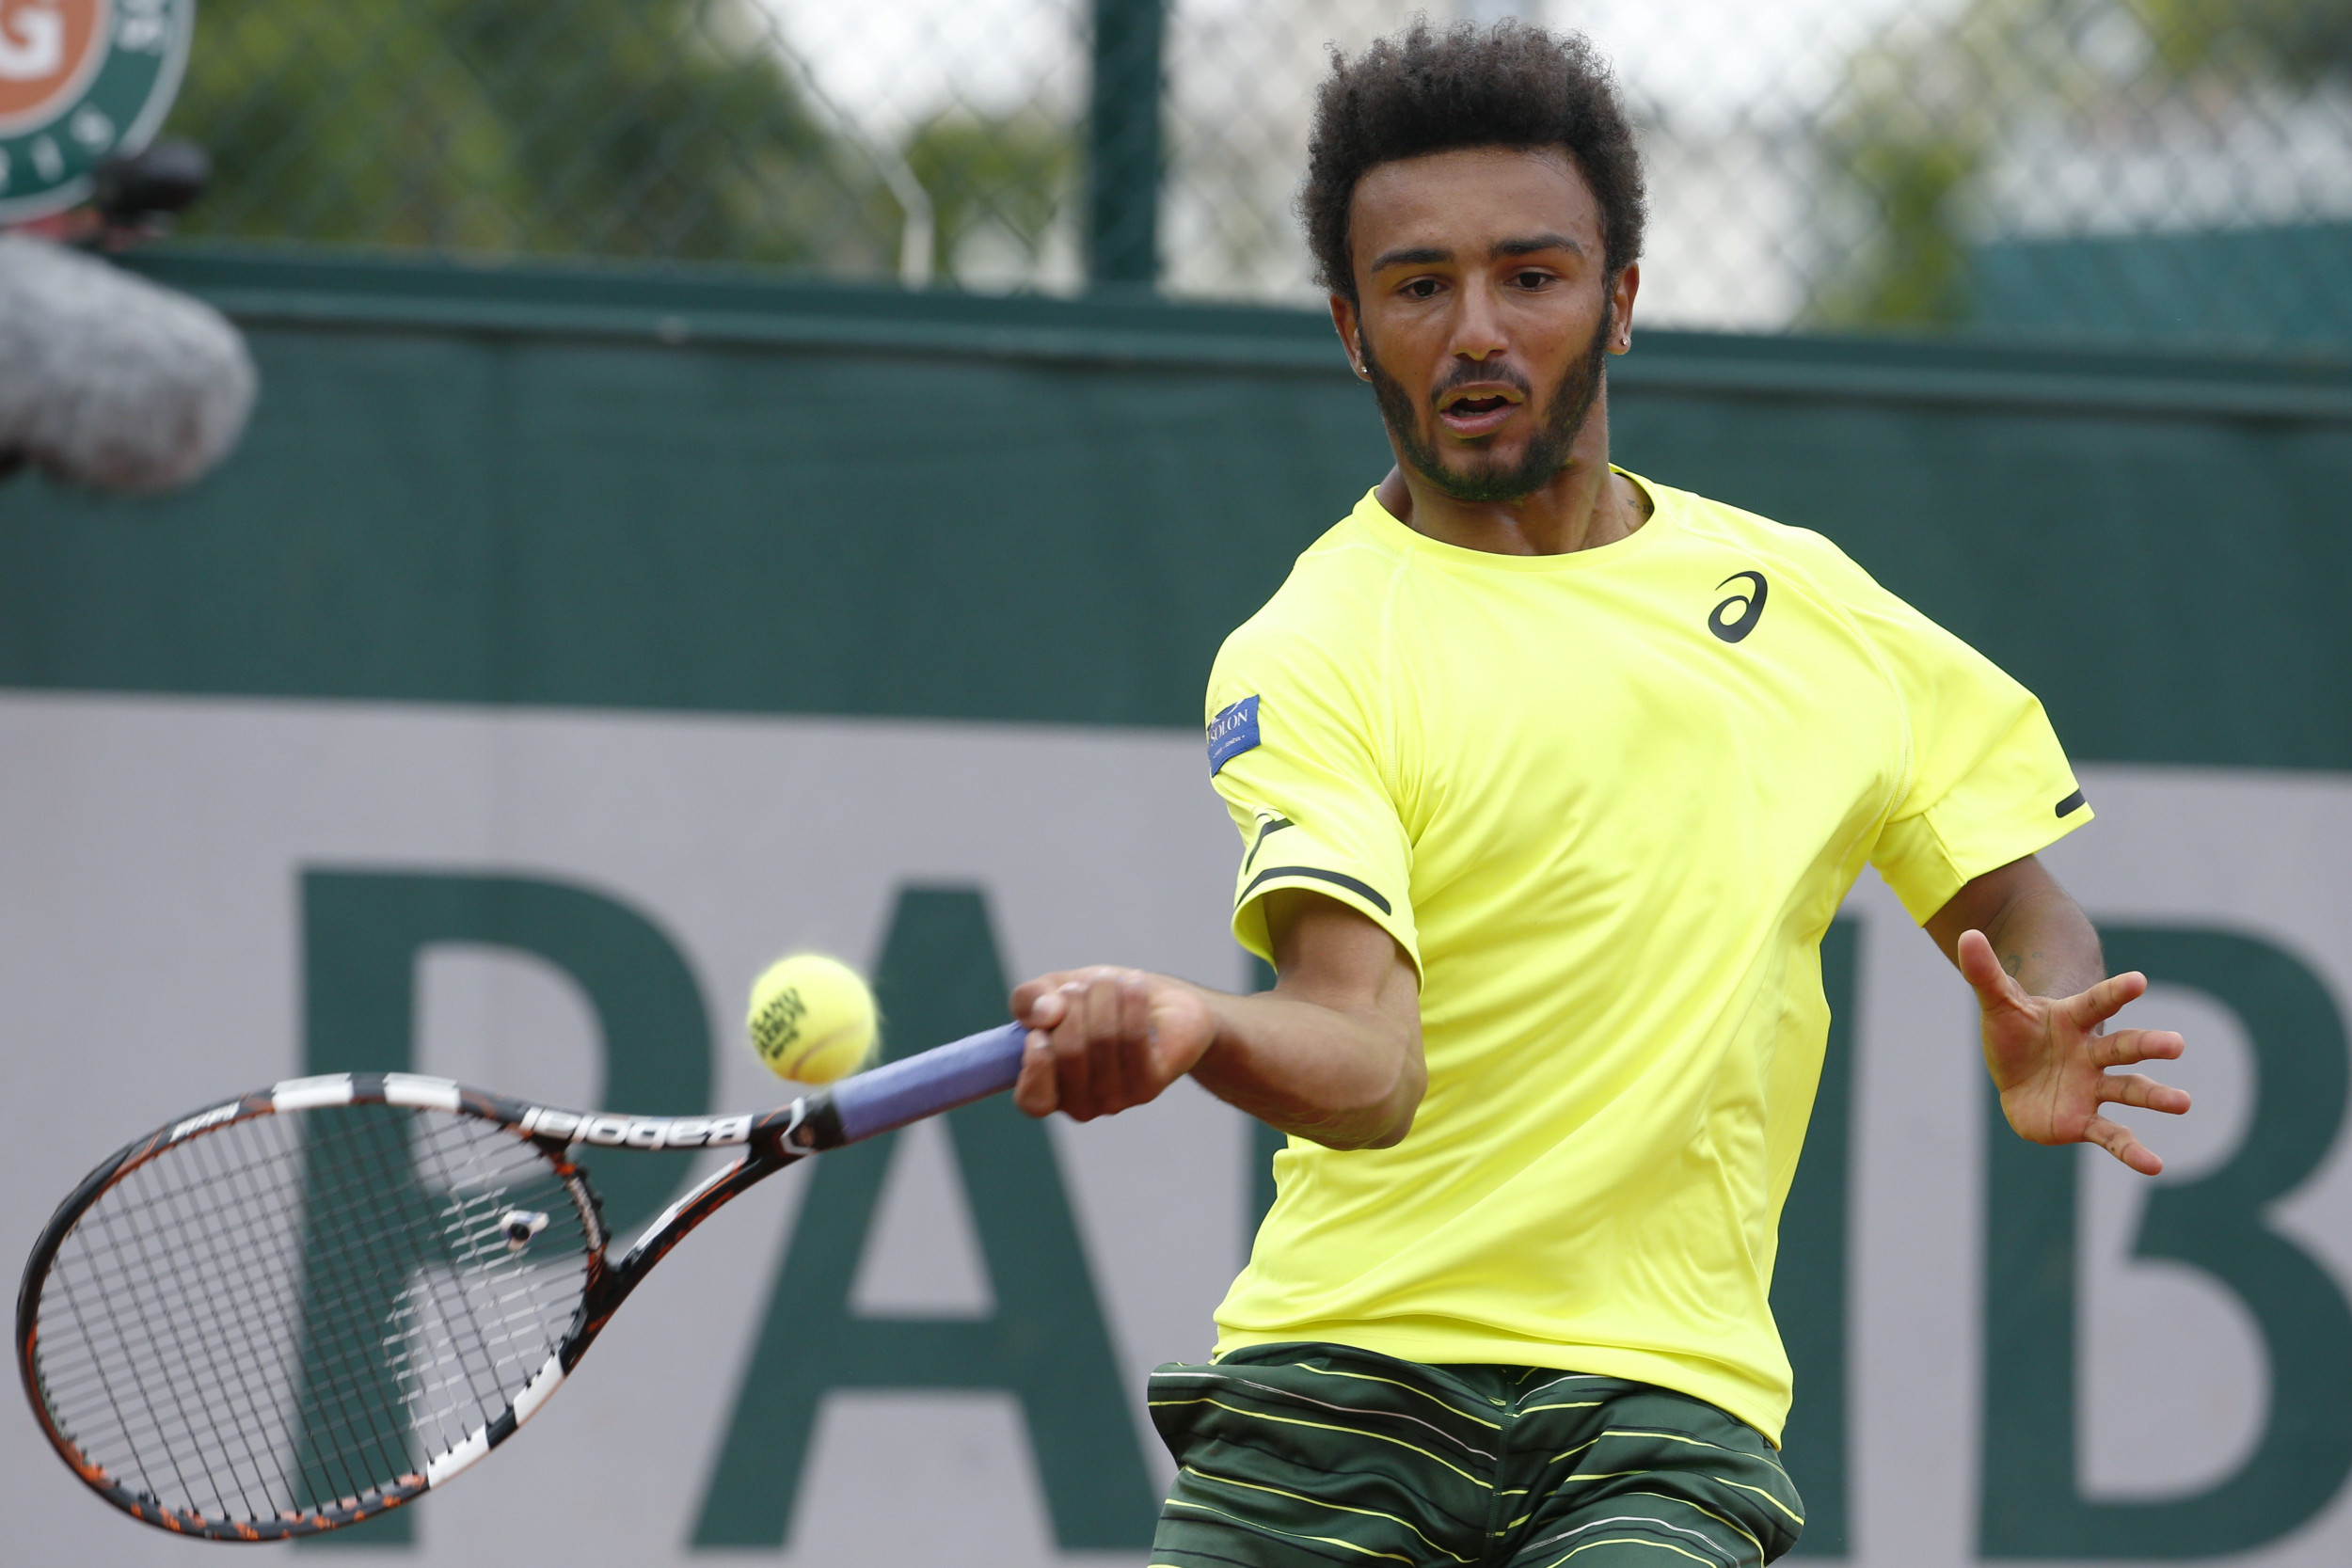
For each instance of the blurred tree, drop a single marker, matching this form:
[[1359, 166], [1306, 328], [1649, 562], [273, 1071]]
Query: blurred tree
[[1924, 107], [2299, 40], [610, 127], [1910, 266], [1007, 177], [1907, 135]]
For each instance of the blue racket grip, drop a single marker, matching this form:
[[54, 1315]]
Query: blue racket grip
[[939, 1080]]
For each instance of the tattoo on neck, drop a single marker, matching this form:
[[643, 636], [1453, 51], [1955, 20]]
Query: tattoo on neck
[[2012, 963]]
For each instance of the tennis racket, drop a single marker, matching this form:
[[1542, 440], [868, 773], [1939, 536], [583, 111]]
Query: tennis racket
[[293, 1311]]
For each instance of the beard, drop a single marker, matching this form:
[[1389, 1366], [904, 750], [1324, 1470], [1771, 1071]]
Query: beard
[[1564, 420]]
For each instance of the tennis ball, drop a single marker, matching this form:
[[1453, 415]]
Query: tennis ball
[[812, 1019]]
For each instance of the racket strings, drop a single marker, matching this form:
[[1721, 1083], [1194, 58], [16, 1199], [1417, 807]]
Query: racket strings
[[452, 1345], [351, 1418], [297, 1310], [260, 1274], [231, 1353], [165, 1229], [154, 1239]]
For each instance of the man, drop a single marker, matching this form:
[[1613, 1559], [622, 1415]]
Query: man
[[1549, 780]]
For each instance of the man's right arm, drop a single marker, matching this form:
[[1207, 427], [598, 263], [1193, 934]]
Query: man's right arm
[[1332, 1053]]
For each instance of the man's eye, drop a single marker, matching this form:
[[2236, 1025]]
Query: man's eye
[[1420, 288], [1532, 279]]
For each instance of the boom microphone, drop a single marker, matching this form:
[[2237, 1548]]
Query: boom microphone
[[110, 381]]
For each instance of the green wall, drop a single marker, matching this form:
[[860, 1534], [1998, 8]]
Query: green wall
[[578, 487], [584, 488]]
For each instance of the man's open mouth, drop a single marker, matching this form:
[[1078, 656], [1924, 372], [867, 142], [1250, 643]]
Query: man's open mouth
[[1476, 411]]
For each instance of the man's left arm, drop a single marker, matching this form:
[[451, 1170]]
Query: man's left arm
[[2043, 986]]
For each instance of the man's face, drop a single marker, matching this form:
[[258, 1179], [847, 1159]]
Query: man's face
[[1485, 312]]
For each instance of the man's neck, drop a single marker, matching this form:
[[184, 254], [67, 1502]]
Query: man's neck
[[1582, 507]]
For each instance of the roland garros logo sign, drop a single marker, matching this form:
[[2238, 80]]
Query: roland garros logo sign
[[80, 79]]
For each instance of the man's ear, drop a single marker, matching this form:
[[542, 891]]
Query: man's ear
[[1621, 291], [1348, 323]]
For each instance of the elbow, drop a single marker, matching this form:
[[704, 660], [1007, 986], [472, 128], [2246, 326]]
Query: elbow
[[1394, 1134], [1385, 1123], [1402, 1104]]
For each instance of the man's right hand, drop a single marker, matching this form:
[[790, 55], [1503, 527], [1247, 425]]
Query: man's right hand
[[1332, 1053], [1103, 1040]]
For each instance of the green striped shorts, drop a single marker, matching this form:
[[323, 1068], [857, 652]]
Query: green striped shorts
[[1289, 1456]]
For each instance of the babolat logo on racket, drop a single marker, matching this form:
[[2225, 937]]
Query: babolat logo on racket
[[197, 1123], [635, 1132]]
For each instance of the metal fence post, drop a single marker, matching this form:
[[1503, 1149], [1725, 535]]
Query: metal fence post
[[1123, 143]]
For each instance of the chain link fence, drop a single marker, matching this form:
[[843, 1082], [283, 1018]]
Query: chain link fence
[[2117, 169]]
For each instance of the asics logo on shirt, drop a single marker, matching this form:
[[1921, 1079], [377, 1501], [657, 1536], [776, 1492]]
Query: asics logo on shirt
[[1731, 627]]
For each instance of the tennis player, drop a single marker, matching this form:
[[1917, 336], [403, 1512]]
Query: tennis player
[[1550, 779]]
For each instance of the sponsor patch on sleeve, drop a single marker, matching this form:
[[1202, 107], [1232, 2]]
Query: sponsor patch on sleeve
[[1231, 733]]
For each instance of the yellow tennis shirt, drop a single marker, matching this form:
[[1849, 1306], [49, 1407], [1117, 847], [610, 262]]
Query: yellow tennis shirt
[[1608, 801]]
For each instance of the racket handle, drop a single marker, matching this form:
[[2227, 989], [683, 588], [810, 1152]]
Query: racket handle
[[939, 1080]]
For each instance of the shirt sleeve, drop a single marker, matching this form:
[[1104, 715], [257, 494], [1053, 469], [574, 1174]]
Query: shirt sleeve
[[1293, 752], [1988, 783]]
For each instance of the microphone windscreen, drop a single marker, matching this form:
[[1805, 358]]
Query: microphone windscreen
[[111, 381]]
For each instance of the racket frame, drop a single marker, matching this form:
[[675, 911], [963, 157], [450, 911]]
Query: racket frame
[[857, 1108]]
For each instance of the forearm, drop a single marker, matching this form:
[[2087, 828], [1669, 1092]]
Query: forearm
[[1346, 1077], [1331, 1054], [2047, 944], [2039, 935]]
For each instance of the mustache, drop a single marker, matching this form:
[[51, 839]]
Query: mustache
[[1464, 376]]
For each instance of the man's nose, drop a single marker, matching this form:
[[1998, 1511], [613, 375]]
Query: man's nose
[[1478, 333]]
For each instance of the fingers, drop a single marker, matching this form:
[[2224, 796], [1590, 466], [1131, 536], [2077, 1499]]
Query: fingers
[[2118, 1140], [2103, 1001], [1045, 992], [1980, 969], [1090, 1051], [1037, 1090], [2126, 1047], [1044, 1004], [1086, 1047], [1133, 1077], [2138, 1089]]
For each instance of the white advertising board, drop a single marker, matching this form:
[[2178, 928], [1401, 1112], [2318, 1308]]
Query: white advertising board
[[163, 861]]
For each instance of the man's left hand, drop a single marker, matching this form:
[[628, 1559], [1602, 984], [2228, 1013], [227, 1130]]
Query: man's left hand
[[2050, 1062]]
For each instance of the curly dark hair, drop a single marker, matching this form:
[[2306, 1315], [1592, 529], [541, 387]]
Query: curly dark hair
[[1510, 84]]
